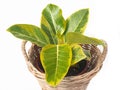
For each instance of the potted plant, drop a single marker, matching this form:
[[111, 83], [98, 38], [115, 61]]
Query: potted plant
[[61, 56]]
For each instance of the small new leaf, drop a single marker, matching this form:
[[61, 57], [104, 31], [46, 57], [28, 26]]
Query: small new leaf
[[88, 54], [77, 54]]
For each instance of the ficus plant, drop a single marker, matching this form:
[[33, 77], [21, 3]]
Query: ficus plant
[[59, 39]]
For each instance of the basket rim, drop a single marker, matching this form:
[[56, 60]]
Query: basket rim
[[89, 74]]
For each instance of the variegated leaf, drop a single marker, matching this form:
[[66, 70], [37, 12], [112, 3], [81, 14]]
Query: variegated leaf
[[77, 21], [30, 33], [56, 60], [52, 22], [76, 37], [77, 54]]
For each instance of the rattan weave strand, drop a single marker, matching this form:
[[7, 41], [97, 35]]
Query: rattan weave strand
[[79, 82]]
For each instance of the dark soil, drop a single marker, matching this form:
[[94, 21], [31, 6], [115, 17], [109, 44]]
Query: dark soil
[[80, 68]]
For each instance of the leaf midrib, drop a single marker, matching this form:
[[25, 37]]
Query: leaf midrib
[[57, 48], [52, 20], [50, 32]]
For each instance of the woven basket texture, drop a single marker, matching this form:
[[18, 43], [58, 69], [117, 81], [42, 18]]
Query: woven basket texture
[[79, 82]]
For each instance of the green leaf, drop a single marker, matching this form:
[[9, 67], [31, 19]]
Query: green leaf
[[77, 21], [77, 54], [29, 32], [88, 54], [78, 38], [56, 60], [48, 30], [53, 22]]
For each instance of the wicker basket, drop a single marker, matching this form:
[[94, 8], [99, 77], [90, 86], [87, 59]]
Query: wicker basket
[[79, 82]]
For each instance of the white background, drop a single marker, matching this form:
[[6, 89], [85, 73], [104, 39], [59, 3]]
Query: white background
[[104, 23]]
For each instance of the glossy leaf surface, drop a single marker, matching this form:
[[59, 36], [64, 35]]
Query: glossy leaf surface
[[78, 38], [30, 33], [52, 22], [77, 21], [77, 54], [56, 60]]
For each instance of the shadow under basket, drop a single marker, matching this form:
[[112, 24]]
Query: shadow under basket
[[78, 82]]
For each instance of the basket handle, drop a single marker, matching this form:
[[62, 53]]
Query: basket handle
[[104, 52], [24, 51]]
